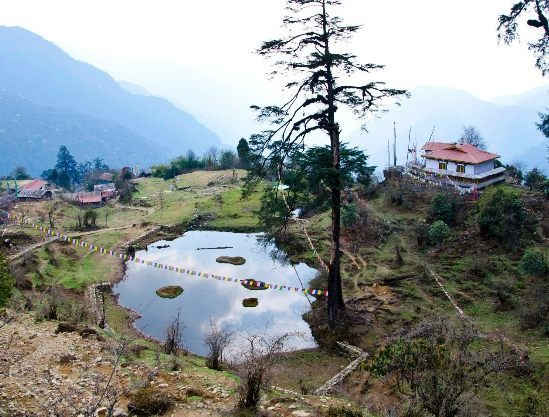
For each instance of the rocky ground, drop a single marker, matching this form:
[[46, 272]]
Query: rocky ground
[[50, 369]]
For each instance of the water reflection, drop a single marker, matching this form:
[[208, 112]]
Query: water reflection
[[277, 312]]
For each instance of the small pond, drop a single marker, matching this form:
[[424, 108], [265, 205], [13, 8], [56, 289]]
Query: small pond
[[204, 299]]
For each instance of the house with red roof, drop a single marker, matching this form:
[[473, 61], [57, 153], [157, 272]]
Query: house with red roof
[[35, 190], [93, 199], [466, 166]]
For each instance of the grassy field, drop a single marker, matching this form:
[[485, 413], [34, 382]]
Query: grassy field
[[214, 195], [72, 268]]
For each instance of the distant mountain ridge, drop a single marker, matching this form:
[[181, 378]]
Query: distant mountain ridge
[[508, 124], [38, 72], [30, 135]]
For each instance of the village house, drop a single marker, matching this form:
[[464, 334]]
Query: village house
[[462, 165], [35, 190], [92, 199], [107, 191]]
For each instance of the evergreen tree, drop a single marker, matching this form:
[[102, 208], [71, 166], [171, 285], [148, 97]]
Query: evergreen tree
[[66, 168], [315, 165], [227, 160], [537, 12], [534, 179], [243, 150], [99, 165], [83, 171], [51, 175], [20, 173], [317, 76]]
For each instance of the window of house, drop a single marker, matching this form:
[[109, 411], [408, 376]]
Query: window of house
[[442, 166], [460, 168]]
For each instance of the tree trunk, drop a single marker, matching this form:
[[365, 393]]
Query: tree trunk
[[335, 295]]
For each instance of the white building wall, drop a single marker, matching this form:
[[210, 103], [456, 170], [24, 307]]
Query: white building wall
[[431, 163], [484, 167], [469, 169], [451, 167]]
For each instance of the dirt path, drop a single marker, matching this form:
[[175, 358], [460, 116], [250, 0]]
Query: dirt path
[[93, 232], [47, 242], [31, 248], [147, 210]]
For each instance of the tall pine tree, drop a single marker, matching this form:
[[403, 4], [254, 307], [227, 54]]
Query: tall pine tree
[[66, 168], [317, 74]]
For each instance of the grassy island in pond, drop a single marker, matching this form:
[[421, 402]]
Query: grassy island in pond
[[172, 291], [250, 302], [234, 260]]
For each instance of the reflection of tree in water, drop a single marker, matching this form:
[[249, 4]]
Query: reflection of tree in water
[[268, 242]]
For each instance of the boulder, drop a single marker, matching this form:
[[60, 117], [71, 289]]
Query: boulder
[[65, 328], [86, 332]]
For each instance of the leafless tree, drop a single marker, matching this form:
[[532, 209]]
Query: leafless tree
[[255, 367], [174, 336], [107, 214], [52, 211], [217, 341], [471, 136], [212, 157]]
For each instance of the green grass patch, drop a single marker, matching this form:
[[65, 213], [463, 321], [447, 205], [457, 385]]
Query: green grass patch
[[71, 271]]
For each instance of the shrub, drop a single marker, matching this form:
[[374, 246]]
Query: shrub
[[445, 207], [149, 402], [439, 368], [534, 312], [7, 282], [403, 194], [55, 306], [256, 368], [502, 216], [534, 263], [90, 218], [344, 412], [349, 215], [438, 232], [422, 234]]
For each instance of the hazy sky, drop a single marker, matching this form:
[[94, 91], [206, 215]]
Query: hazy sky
[[199, 53]]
